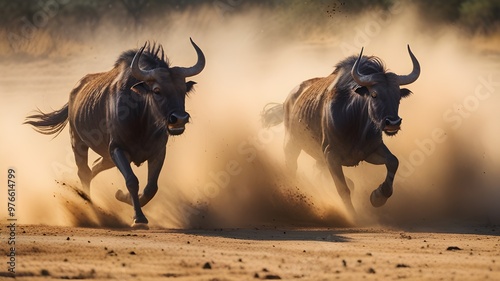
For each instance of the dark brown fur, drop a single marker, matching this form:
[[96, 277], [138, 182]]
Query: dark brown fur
[[125, 119], [340, 123]]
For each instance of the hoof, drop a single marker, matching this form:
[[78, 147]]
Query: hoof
[[377, 199], [122, 197], [119, 195], [140, 226]]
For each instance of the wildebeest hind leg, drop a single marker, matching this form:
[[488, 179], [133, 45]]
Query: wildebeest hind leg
[[123, 164], [292, 152], [80, 150], [100, 165], [383, 156], [322, 167], [335, 169]]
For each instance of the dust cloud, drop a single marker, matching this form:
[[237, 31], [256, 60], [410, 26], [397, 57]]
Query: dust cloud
[[228, 171]]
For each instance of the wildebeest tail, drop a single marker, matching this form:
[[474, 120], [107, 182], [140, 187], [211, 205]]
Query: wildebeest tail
[[49, 123], [272, 114]]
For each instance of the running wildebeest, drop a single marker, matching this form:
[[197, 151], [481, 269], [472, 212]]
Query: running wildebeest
[[125, 115], [339, 120]]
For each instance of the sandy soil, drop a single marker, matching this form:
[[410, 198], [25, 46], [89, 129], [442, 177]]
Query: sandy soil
[[451, 253]]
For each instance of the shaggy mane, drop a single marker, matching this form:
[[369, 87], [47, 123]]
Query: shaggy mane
[[367, 65], [152, 57]]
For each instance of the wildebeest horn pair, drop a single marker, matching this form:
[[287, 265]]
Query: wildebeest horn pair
[[368, 80], [148, 75]]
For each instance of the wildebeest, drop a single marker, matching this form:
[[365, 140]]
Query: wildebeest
[[339, 120], [125, 115]]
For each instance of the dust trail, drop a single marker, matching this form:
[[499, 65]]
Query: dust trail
[[83, 212], [226, 170]]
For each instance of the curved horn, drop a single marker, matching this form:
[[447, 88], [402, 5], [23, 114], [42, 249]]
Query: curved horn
[[198, 67], [412, 77], [137, 72], [362, 80]]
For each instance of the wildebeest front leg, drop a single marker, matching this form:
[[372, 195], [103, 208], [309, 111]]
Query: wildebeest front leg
[[123, 164], [383, 156], [339, 179], [154, 169]]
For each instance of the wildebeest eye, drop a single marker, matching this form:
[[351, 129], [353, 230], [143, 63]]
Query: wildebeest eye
[[373, 94], [156, 90], [362, 90]]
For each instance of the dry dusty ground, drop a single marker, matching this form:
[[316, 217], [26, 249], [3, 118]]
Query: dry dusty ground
[[436, 253]]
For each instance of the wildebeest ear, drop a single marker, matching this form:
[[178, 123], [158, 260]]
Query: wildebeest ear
[[405, 92], [140, 88], [189, 86], [362, 90]]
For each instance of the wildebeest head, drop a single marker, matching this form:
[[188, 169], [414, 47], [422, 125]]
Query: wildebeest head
[[384, 93], [168, 87]]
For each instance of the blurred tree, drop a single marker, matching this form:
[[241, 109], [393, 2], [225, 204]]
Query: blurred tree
[[480, 15], [444, 11], [475, 15]]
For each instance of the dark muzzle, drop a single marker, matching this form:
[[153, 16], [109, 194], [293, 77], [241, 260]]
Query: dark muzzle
[[177, 122], [392, 125]]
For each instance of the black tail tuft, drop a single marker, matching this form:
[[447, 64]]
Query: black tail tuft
[[49, 123], [272, 114]]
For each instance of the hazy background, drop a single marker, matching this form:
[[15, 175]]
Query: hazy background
[[226, 170]]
